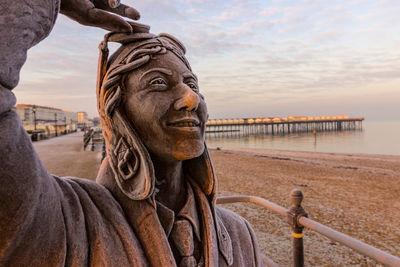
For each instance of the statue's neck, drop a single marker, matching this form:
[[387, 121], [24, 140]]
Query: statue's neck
[[170, 182]]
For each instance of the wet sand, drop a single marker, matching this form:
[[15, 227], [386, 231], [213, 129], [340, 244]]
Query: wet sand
[[355, 194]]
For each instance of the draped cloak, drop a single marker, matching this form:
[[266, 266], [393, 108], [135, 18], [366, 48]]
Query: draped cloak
[[50, 221]]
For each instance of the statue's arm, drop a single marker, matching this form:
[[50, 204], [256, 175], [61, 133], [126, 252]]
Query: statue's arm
[[25, 24], [27, 192]]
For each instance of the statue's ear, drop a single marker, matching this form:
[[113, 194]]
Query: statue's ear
[[129, 160]]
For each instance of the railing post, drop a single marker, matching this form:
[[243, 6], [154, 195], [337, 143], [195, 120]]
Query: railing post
[[294, 213]]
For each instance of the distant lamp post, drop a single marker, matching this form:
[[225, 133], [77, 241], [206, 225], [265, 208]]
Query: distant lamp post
[[34, 136], [55, 122], [65, 125], [34, 116]]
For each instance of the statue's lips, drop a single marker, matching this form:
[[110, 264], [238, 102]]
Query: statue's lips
[[184, 123]]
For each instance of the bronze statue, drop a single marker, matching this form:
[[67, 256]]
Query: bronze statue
[[154, 200]]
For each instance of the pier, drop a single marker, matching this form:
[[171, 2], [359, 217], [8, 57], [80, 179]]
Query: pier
[[282, 126]]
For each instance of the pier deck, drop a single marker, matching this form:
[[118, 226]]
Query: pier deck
[[259, 126]]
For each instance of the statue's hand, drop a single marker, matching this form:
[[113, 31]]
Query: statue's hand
[[98, 13]]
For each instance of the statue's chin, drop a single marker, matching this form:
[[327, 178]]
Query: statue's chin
[[188, 150]]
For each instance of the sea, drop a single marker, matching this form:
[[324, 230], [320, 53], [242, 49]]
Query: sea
[[376, 137]]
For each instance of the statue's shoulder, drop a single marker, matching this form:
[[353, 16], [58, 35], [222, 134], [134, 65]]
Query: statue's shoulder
[[242, 237], [232, 221]]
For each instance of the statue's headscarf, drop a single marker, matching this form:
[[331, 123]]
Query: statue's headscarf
[[127, 156]]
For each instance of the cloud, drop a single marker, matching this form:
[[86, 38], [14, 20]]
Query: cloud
[[251, 57]]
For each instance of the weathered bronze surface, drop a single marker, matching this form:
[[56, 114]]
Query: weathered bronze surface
[[154, 200]]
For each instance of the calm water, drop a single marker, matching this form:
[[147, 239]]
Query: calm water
[[375, 138]]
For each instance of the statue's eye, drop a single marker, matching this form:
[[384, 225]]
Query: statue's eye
[[193, 86], [158, 81]]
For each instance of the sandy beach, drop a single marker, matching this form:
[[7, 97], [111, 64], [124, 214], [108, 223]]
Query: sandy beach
[[357, 194], [352, 193]]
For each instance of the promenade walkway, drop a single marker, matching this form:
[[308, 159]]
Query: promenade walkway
[[64, 156]]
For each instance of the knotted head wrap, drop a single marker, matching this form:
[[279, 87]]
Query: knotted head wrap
[[127, 156]]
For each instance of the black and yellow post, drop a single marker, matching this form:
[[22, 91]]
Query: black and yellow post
[[293, 215]]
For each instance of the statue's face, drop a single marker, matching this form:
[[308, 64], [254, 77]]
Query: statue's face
[[163, 103]]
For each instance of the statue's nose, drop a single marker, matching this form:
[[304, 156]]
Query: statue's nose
[[189, 101]]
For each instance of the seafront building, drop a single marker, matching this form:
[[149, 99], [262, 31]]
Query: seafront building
[[82, 117], [83, 120], [46, 121]]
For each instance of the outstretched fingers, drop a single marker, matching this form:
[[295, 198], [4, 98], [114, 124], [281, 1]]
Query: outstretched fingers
[[125, 11], [107, 21], [106, 14]]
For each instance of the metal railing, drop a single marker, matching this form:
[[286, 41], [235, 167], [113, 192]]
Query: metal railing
[[297, 219]]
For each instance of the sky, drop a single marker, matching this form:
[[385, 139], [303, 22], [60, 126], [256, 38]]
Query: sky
[[253, 58]]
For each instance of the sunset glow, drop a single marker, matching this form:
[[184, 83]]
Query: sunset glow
[[253, 58]]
